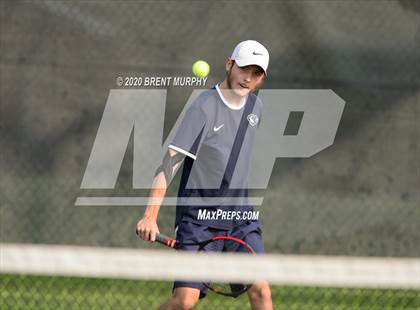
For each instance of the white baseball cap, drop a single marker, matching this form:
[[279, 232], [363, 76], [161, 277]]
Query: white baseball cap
[[251, 52]]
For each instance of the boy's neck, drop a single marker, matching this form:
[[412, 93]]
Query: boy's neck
[[230, 95]]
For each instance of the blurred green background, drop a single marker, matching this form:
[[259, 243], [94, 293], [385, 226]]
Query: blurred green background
[[59, 59], [31, 292]]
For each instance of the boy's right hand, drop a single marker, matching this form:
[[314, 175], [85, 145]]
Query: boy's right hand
[[147, 229]]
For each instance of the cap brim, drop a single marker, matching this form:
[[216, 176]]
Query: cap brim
[[243, 63]]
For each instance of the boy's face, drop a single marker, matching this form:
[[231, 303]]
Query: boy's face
[[243, 80]]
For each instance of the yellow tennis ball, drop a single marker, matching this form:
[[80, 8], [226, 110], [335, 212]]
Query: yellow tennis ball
[[201, 68]]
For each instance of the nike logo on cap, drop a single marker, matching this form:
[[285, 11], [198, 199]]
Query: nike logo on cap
[[218, 128], [255, 53]]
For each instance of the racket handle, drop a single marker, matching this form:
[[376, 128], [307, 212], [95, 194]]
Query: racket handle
[[165, 240]]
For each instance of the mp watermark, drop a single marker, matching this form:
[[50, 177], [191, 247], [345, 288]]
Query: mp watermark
[[140, 113]]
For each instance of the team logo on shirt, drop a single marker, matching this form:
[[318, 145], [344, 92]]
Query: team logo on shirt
[[252, 119]]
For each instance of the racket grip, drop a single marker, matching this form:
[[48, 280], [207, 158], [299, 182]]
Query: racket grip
[[165, 240]]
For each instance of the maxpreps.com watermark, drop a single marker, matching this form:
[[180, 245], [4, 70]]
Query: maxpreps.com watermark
[[218, 214]]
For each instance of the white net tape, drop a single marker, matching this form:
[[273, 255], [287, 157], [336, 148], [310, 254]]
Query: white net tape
[[327, 271]]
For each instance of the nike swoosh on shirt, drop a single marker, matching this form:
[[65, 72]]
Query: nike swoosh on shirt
[[218, 128]]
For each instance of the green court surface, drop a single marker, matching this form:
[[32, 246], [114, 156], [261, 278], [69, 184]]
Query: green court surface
[[41, 292]]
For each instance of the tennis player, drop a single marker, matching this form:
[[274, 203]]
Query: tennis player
[[214, 141]]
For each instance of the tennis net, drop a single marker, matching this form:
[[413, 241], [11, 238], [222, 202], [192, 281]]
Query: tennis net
[[71, 277]]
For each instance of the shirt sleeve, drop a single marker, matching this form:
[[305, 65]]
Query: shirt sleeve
[[190, 133]]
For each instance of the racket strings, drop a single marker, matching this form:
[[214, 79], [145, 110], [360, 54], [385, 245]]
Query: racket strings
[[227, 245]]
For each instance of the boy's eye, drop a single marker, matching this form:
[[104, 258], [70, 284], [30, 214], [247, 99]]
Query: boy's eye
[[256, 72]]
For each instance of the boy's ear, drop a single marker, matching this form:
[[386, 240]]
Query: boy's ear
[[228, 64]]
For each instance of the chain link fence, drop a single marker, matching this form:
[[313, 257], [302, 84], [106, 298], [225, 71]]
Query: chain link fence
[[360, 197], [25, 292]]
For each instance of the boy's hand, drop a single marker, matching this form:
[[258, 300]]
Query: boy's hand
[[147, 229]]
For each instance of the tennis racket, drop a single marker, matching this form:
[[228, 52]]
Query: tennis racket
[[217, 242]]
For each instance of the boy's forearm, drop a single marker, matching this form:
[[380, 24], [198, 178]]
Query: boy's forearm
[[157, 194], [159, 187]]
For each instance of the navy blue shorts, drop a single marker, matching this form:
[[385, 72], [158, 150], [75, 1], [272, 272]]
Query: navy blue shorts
[[250, 232]]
